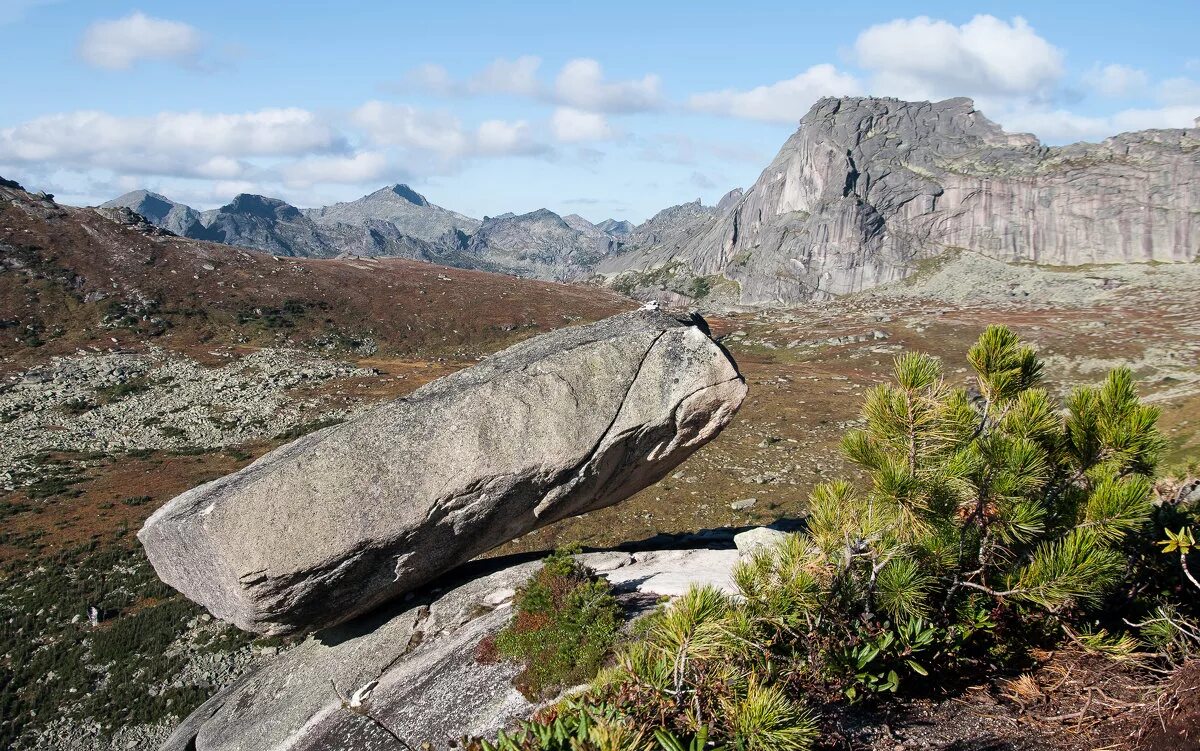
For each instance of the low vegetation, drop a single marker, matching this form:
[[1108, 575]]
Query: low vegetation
[[565, 625], [994, 522], [118, 672]]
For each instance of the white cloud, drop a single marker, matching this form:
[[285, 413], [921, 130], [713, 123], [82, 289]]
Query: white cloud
[[442, 134], [117, 45], [362, 167], [570, 125], [432, 78], [784, 101], [517, 77], [409, 127], [506, 138], [1115, 80], [1180, 91], [502, 76], [581, 84], [925, 58], [169, 142], [1059, 125]]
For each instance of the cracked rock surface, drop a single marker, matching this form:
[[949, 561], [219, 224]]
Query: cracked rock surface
[[344, 519], [418, 660]]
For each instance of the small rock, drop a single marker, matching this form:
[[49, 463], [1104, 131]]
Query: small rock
[[499, 596], [743, 504], [758, 537]]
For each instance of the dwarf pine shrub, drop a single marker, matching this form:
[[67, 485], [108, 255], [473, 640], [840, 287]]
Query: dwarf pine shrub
[[985, 506], [993, 519]]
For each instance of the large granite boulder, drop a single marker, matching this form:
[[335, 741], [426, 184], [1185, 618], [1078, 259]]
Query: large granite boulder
[[343, 519], [406, 675]]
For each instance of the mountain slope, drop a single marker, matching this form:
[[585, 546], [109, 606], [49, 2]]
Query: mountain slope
[[179, 218], [71, 278], [401, 206], [267, 224], [541, 244], [866, 187]]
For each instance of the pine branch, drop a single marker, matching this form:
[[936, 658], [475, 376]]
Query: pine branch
[[1187, 571]]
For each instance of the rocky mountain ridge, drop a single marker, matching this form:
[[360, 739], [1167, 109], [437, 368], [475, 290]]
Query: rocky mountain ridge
[[868, 187], [864, 190], [394, 221]]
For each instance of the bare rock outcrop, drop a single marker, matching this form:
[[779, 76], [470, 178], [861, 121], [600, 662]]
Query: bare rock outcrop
[[341, 520], [407, 675], [869, 186]]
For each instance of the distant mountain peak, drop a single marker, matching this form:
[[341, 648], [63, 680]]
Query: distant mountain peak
[[616, 227], [409, 194], [263, 206]]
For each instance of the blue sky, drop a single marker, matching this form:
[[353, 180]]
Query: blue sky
[[602, 109]]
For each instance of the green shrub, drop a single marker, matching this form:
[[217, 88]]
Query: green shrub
[[564, 626], [993, 521], [983, 507]]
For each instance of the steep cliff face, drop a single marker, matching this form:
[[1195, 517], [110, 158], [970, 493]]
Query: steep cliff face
[[866, 187]]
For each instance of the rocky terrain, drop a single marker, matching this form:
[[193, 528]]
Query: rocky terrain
[[864, 190], [138, 365], [72, 278], [399, 205], [867, 187], [807, 368], [415, 664], [394, 221], [122, 402], [540, 244]]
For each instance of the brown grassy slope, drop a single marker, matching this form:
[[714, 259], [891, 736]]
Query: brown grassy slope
[[71, 278]]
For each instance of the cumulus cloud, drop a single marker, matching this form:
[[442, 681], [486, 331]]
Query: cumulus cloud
[[442, 134], [518, 77], [119, 44], [925, 58], [362, 167], [1180, 91], [503, 76], [1115, 80], [784, 101], [409, 127], [1061, 125], [170, 142], [506, 138], [580, 84], [570, 125]]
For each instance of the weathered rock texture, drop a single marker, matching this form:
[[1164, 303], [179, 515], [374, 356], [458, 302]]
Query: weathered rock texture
[[429, 688], [866, 187], [540, 243], [337, 522]]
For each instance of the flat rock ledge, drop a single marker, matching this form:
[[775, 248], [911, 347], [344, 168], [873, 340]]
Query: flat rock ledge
[[334, 524], [415, 663]]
